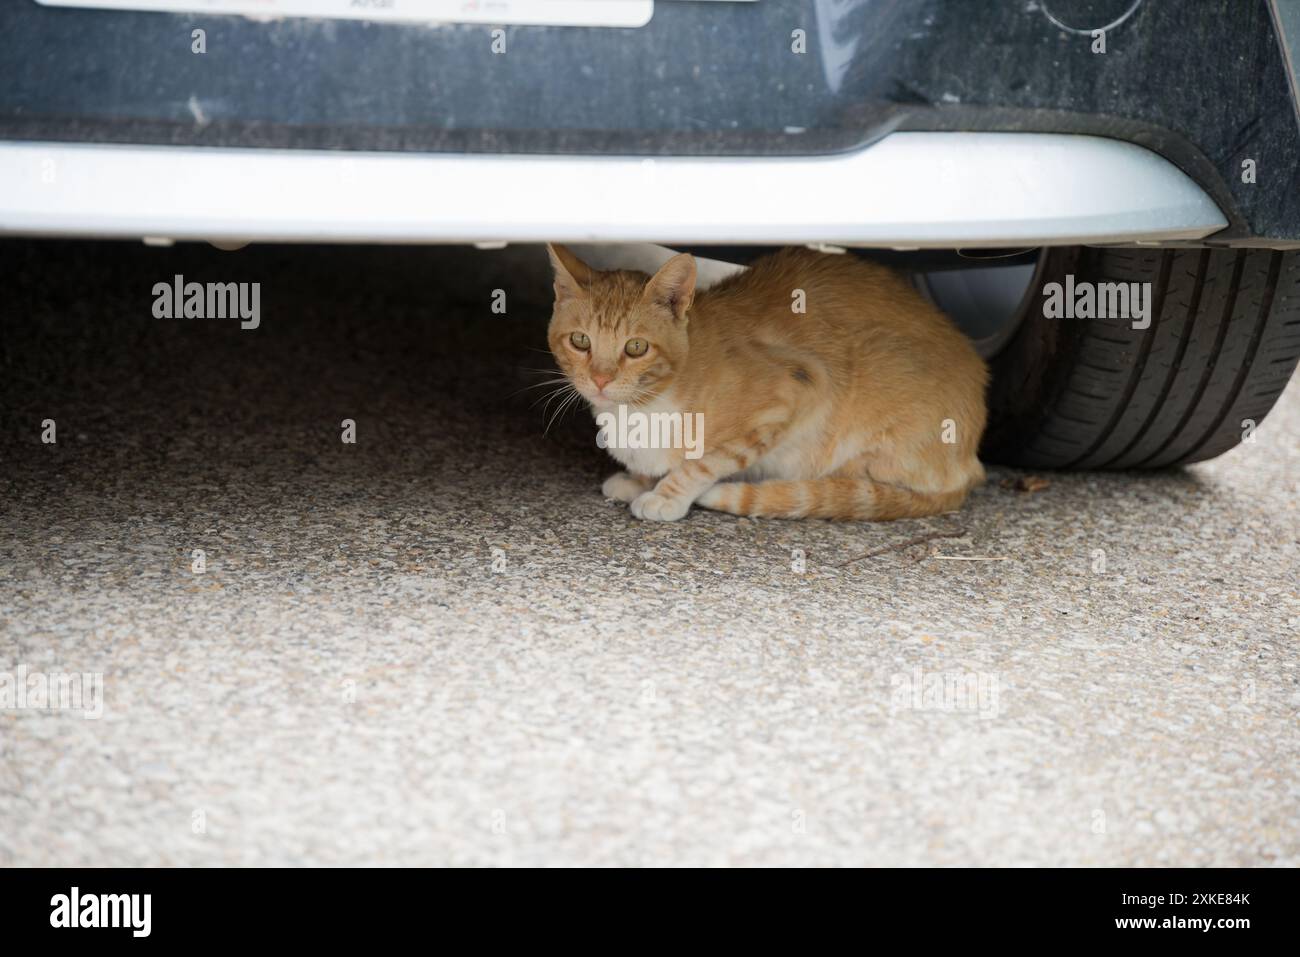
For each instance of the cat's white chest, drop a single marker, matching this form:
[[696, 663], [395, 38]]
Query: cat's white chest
[[652, 462]]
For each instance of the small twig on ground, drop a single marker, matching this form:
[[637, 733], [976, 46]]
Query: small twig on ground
[[1026, 483], [919, 540]]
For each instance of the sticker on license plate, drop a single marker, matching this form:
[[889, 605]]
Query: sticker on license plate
[[558, 13]]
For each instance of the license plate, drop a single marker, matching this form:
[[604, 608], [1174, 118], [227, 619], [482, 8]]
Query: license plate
[[575, 13]]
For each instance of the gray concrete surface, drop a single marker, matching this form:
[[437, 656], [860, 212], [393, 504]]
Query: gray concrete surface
[[358, 677]]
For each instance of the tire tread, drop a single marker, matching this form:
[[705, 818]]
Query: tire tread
[[1220, 348]]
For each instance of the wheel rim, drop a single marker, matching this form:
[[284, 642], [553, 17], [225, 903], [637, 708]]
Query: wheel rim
[[988, 303]]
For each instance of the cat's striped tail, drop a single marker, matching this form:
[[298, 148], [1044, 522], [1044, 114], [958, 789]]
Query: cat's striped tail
[[844, 498]]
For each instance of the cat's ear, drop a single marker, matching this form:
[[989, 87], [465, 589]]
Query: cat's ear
[[572, 275], [673, 285]]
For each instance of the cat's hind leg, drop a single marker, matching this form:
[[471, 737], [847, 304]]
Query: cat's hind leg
[[842, 498], [872, 487]]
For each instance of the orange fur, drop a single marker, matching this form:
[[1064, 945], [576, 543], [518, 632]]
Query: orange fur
[[837, 412]]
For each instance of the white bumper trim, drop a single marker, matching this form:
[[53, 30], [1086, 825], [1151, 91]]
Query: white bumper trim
[[908, 190]]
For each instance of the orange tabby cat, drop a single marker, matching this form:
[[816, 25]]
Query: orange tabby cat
[[869, 404]]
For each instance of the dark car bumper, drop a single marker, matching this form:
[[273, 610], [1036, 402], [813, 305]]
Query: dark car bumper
[[1204, 83]]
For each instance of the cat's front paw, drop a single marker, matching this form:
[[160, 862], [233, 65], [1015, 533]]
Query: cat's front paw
[[622, 487], [659, 508]]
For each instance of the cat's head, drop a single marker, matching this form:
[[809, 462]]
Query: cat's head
[[620, 336]]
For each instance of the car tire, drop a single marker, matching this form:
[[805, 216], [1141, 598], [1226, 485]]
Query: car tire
[[1223, 340]]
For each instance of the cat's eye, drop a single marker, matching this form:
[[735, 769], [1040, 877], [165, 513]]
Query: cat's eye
[[580, 341], [636, 347]]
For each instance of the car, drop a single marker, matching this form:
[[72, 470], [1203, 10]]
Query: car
[[1104, 194]]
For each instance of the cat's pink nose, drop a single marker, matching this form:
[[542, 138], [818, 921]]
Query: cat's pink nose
[[600, 381]]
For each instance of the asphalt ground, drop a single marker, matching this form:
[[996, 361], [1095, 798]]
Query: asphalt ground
[[440, 645]]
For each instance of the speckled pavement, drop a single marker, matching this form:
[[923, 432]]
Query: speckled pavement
[[439, 645]]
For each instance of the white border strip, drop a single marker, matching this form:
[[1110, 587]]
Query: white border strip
[[909, 190], [581, 13]]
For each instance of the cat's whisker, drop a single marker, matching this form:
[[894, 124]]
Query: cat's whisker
[[552, 381], [575, 399], [538, 385], [550, 397], [567, 403], [551, 418], [567, 394]]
